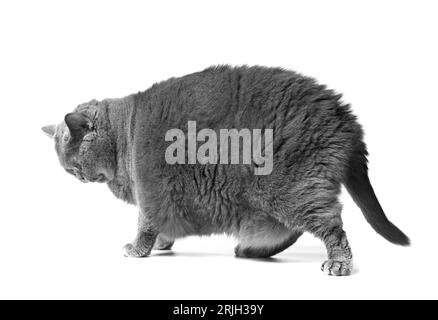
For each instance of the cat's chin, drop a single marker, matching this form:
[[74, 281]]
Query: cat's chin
[[99, 179], [102, 179]]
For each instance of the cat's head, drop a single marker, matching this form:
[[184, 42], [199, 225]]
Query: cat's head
[[84, 145]]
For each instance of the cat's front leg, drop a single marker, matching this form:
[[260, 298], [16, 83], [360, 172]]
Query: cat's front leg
[[144, 242], [163, 243]]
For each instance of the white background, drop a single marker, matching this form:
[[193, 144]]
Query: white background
[[62, 239]]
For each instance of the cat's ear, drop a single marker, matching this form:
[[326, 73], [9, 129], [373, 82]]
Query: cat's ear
[[78, 124], [49, 130]]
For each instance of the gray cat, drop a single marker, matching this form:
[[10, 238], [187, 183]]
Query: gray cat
[[317, 146]]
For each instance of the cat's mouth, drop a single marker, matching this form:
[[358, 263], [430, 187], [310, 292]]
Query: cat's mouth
[[101, 178]]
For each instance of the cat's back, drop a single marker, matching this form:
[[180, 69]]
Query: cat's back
[[303, 114], [222, 95]]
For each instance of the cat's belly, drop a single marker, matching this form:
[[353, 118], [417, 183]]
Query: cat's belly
[[201, 201], [205, 220], [214, 214], [248, 225]]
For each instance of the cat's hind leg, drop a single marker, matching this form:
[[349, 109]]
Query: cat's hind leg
[[263, 237], [313, 206], [326, 224]]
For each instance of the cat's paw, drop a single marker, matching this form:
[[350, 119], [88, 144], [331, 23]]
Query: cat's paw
[[257, 253], [135, 251], [337, 267], [163, 245], [239, 252]]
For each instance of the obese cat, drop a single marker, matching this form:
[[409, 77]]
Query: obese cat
[[317, 145]]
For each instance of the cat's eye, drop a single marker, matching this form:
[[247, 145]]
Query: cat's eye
[[70, 171]]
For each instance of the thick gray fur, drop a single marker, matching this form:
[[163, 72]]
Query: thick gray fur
[[318, 146]]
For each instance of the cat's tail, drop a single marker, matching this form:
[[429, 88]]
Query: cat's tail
[[359, 186]]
